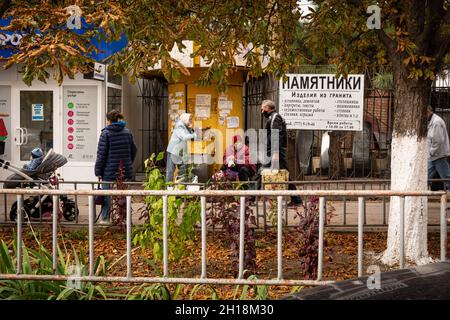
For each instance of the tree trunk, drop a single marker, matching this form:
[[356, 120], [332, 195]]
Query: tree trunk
[[409, 168], [336, 160]]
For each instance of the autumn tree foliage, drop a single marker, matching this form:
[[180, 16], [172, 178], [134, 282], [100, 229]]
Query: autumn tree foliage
[[412, 41], [48, 45]]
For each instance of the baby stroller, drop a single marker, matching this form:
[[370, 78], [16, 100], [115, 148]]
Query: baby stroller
[[45, 172]]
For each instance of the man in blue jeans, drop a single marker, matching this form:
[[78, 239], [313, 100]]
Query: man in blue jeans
[[438, 147]]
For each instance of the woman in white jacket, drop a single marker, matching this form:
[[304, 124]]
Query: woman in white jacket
[[177, 155]]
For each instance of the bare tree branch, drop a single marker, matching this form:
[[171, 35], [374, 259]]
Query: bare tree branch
[[435, 16]]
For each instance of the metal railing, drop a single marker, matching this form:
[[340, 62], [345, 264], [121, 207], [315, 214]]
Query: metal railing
[[261, 212], [129, 278]]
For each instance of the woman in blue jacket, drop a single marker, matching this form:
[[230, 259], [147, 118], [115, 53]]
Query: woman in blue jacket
[[116, 145]]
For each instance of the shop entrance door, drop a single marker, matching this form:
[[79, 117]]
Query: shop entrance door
[[34, 123]]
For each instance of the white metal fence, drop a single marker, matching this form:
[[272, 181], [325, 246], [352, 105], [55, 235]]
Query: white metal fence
[[203, 279]]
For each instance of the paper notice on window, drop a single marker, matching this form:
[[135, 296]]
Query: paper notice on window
[[232, 122], [179, 94], [224, 113], [202, 112], [37, 113], [203, 100], [224, 105]]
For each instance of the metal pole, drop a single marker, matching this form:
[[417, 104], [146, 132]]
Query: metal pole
[[76, 205], [365, 217], [286, 223], [54, 232], [345, 205], [321, 227], [402, 232], [360, 234], [165, 238], [257, 211], [280, 237], [40, 205], [241, 236], [264, 208], [91, 234], [129, 271], [443, 227], [203, 217], [384, 206], [5, 199], [19, 233]]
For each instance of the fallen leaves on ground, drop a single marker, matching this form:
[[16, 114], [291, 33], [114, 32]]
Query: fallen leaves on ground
[[340, 260]]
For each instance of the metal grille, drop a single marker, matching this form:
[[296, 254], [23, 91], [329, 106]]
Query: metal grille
[[366, 153], [154, 118]]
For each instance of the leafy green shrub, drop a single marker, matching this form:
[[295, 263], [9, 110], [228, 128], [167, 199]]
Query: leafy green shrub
[[183, 213], [39, 262]]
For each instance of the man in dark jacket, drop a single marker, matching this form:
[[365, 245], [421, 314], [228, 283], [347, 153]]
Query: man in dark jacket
[[276, 149], [116, 145]]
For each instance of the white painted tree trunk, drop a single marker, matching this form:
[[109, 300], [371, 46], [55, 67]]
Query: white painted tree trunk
[[408, 172]]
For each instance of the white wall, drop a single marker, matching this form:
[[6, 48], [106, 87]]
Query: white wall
[[72, 170]]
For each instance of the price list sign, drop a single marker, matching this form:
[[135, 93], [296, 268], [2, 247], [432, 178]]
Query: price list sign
[[322, 102], [80, 123]]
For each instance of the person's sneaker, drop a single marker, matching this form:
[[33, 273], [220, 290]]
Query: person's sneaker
[[104, 222]]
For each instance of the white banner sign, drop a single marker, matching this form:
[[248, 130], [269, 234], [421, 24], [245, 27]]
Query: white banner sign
[[322, 102]]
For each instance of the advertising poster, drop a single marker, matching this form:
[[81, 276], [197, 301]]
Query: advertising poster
[[80, 123]]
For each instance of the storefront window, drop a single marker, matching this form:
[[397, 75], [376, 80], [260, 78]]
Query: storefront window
[[115, 78], [114, 99], [36, 121]]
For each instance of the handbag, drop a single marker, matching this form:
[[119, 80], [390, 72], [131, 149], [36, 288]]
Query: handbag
[[99, 200]]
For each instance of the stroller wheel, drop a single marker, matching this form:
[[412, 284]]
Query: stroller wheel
[[13, 211], [70, 211]]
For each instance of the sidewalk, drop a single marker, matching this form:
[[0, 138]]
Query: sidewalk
[[374, 212]]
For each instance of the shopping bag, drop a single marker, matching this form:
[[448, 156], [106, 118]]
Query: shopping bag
[[99, 200]]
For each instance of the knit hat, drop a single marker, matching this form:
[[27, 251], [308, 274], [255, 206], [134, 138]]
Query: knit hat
[[37, 153]]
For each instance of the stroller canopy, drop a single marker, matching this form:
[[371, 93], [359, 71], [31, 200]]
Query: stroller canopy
[[51, 162]]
